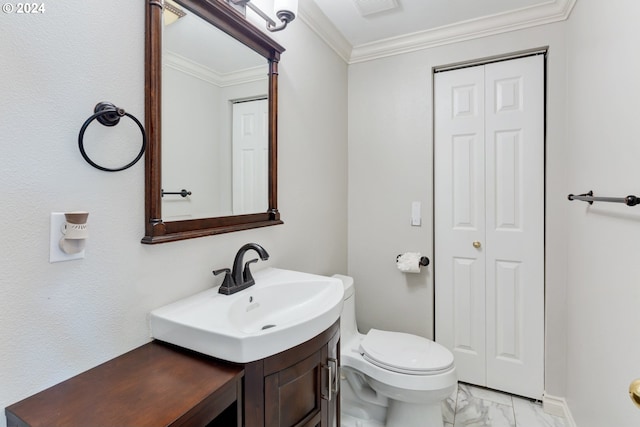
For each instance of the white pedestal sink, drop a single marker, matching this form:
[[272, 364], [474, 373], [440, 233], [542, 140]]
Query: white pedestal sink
[[283, 309]]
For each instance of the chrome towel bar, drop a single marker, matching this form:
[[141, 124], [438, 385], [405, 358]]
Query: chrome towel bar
[[183, 193], [590, 198]]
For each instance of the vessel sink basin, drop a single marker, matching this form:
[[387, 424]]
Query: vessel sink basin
[[283, 309]]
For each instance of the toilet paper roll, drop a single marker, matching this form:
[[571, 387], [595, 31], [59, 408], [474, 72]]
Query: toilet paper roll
[[409, 262]]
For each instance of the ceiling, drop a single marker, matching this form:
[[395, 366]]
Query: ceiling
[[405, 25]]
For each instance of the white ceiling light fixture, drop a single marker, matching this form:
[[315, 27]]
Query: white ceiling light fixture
[[371, 7], [171, 12], [285, 10]]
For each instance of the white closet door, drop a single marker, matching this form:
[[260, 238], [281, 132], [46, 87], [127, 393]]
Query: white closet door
[[489, 262], [460, 219]]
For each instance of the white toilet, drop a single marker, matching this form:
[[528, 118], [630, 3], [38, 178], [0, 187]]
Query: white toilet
[[390, 378]]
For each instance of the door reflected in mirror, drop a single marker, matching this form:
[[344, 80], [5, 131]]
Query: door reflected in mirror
[[214, 123]]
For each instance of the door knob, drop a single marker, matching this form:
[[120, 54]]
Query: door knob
[[477, 245], [634, 392]]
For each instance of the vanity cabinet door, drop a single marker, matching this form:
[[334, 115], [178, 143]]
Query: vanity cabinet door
[[305, 394], [297, 387], [292, 395]]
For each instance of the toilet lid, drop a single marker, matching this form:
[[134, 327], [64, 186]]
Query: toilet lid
[[405, 353]]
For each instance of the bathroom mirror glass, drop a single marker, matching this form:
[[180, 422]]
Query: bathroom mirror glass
[[211, 103]]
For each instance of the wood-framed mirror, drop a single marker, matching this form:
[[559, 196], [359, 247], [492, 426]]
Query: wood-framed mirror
[[174, 210]]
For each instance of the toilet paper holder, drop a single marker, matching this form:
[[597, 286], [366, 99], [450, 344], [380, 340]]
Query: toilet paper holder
[[424, 261]]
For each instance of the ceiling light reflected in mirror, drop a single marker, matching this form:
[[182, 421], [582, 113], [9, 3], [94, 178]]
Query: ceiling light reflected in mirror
[[285, 10]]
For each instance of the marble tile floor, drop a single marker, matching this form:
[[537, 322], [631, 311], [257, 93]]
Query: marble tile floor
[[471, 406]]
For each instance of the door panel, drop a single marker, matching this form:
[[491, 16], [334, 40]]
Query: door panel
[[459, 219], [465, 197], [468, 344], [509, 309], [508, 184], [515, 225]]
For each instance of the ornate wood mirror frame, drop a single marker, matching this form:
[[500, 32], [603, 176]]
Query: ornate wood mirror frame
[[222, 16]]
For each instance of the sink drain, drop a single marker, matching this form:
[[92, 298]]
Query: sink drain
[[268, 326]]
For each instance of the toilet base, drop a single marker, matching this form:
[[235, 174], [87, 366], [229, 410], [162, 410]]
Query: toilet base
[[400, 414], [349, 421], [414, 414]]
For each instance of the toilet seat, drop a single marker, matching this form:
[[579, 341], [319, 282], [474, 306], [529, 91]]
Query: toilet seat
[[405, 353]]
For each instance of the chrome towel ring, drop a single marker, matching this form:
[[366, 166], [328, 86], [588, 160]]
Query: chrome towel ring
[[109, 115]]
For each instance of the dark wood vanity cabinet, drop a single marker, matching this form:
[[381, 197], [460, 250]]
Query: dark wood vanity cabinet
[[162, 385], [298, 387]]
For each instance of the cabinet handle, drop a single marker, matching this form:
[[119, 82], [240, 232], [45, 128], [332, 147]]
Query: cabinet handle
[[326, 391], [336, 375], [332, 378]]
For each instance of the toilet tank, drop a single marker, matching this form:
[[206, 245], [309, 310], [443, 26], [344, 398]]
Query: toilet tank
[[348, 326]]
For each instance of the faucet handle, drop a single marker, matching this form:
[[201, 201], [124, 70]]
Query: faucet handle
[[246, 274], [227, 283], [222, 270]]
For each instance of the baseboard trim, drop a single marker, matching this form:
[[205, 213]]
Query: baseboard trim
[[558, 406]]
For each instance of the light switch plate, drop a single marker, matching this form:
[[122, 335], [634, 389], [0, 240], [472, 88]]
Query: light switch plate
[[55, 253], [416, 214]]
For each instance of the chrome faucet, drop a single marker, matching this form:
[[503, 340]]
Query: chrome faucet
[[238, 278]]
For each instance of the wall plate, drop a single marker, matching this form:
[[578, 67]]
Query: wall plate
[[416, 214], [55, 253]]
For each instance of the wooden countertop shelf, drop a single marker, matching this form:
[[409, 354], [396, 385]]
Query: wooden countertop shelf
[[153, 385]]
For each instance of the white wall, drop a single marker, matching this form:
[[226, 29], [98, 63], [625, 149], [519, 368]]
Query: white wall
[[390, 165], [604, 239], [57, 320]]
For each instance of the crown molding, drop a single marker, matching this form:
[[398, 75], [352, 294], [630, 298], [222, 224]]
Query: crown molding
[[315, 19], [545, 13], [192, 68]]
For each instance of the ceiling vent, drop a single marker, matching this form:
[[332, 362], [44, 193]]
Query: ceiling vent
[[371, 7]]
